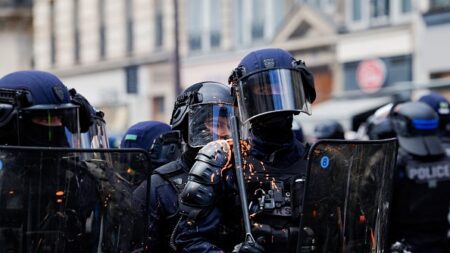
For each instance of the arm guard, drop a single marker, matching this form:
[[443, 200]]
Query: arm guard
[[198, 196]]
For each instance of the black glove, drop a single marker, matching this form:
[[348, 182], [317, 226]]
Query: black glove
[[400, 247], [248, 247], [86, 111]]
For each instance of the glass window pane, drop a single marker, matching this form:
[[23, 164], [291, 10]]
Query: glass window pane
[[159, 34], [258, 19], [406, 6], [238, 21], [215, 18], [195, 10], [379, 8], [356, 7]]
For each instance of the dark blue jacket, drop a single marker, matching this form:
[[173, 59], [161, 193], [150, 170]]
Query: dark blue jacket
[[221, 226], [166, 183]]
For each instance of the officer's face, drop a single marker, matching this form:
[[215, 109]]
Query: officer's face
[[220, 127], [266, 89], [47, 121]]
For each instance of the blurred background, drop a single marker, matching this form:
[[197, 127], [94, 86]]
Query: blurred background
[[131, 57]]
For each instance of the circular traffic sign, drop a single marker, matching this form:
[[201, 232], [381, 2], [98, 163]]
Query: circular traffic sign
[[371, 75]]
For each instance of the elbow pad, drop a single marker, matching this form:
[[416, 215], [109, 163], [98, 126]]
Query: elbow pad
[[198, 196]]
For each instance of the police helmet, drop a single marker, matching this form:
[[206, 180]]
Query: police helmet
[[416, 125], [441, 106], [269, 81], [143, 134], [329, 129], [201, 113], [36, 109], [379, 125]]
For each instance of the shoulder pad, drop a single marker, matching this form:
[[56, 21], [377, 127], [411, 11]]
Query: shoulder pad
[[169, 168], [216, 153]]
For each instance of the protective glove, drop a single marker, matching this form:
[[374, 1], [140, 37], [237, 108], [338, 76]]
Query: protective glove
[[248, 247], [86, 111], [400, 247]]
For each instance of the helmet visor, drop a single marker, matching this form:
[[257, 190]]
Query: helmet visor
[[50, 126], [96, 136], [270, 91], [208, 122]]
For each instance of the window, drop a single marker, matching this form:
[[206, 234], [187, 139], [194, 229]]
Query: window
[[76, 29], [215, 17], [131, 73], [102, 28], [406, 6], [129, 25], [204, 24], [52, 33], [195, 24], [379, 8], [256, 20], [437, 5], [158, 108], [357, 10], [159, 32]]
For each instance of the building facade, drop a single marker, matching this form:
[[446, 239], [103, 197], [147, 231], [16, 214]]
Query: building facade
[[16, 35], [120, 54]]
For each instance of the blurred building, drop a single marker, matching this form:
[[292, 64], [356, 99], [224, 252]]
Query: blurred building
[[15, 35], [386, 50], [121, 54], [116, 53]]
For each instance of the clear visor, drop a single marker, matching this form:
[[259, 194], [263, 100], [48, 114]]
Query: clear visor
[[209, 122], [272, 91], [50, 126], [96, 136]]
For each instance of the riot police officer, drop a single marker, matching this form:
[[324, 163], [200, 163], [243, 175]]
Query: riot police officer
[[329, 129], [37, 110], [442, 107], [270, 87], [143, 135], [201, 115], [379, 126], [422, 182]]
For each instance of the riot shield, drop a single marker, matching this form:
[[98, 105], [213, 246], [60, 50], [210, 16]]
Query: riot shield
[[346, 202], [69, 200]]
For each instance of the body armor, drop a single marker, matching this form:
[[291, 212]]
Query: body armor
[[274, 196]]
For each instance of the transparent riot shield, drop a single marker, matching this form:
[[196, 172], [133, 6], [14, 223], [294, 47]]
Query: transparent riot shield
[[347, 196], [69, 200]]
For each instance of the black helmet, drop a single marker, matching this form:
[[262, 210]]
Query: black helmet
[[329, 129], [416, 125], [271, 80], [201, 111], [442, 107], [379, 125], [36, 109]]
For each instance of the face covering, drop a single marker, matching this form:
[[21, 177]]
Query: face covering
[[44, 136], [274, 127]]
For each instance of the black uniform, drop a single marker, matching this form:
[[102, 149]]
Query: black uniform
[[421, 197], [166, 183], [201, 114], [274, 187], [269, 87]]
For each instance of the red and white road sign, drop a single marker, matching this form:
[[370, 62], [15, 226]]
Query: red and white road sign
[[371, 75]]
